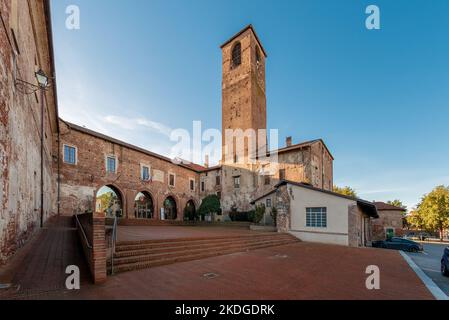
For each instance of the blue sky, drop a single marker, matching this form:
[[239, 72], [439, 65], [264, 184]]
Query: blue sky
[[379, 98]]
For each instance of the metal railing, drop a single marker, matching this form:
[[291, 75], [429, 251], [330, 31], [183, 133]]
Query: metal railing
[[114, 240], [82, 231]]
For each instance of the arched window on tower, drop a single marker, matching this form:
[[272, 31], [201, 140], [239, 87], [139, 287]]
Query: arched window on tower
[[258, 61], [236, 55]]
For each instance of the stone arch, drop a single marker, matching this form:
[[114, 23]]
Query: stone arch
[[144, 206], [190, 210], [109, 200], [171, 207]]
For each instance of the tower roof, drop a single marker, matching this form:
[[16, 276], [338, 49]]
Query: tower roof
[[250, 26]]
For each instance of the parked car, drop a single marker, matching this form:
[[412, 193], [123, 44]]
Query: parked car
[[423, 236], [445, 263], [399, 244]]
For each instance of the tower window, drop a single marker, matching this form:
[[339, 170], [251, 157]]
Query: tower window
[[257, 56], [236, 55]]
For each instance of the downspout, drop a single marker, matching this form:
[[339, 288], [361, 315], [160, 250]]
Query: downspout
[[59, 173], [42, 157]]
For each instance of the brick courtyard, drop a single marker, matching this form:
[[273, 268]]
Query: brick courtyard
[[297, 271]]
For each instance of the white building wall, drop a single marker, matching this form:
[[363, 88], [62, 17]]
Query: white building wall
[[336, 231]]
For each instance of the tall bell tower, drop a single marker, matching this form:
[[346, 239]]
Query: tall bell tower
[[243, 85]]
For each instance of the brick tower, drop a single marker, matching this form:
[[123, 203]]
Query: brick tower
[[243, 85]]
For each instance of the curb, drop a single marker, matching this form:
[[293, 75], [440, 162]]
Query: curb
[[431, 286]]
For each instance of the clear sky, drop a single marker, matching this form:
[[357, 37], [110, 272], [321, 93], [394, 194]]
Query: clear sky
[[379, 98]]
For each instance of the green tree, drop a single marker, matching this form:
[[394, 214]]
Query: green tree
[[210, 205], [259, 212], [397, 203], [414, 220], [346, 191], [434, 210], [274, 215]]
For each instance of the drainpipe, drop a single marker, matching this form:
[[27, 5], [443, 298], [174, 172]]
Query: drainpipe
[[59, 174], [42, 157]]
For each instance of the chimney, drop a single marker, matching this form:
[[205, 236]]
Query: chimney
[[288, 141], [206, 161]]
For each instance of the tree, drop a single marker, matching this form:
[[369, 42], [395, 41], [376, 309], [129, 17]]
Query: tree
[[415, 220], [346, 191], [209, 205], [399, 204], [274, 215], [259, 213], [434, 209]]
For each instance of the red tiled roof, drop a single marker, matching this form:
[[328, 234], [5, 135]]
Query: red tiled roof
[[385, 206]]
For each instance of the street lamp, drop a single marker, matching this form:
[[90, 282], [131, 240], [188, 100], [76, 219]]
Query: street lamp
[[42, 80]]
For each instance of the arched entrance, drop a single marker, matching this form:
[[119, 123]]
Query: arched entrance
[[189, 211], [109, 202], [143, 206], [170, 209]]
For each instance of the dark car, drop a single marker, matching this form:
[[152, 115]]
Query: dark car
[[445, 263], [399, 244]]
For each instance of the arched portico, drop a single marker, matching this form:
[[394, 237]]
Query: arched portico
[[143, 206], [109, 200]]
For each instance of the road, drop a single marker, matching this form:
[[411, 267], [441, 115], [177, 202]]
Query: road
[[430, 262]]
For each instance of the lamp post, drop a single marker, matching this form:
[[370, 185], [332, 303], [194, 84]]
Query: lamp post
[[42, 80]]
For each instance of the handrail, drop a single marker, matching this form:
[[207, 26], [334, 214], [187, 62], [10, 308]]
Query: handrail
[[114, 240], [82, 230]]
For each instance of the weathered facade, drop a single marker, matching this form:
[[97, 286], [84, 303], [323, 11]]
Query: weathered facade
[[82, 179], [389, 222], [317, 215], [237, 180], [25, 47]]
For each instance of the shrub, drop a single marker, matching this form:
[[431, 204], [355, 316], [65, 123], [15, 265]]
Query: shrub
[[210, 205], [243, 216], [274, 215], [259, 213]]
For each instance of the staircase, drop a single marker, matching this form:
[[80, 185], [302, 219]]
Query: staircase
[[134, 255]]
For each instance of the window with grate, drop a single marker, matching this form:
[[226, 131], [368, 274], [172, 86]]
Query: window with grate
[[236, 55]]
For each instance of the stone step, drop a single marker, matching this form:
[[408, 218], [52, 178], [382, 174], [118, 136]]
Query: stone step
[[198, 256], [195, 245], [179, 253], [147, 244]]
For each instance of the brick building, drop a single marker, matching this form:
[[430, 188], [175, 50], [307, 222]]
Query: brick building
[[95, 167], [25, 47], [85, 171], [389, 223]]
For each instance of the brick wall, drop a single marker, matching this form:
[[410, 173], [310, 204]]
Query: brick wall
[[80, 182], [93, 241], [387, 219], [24, 48]]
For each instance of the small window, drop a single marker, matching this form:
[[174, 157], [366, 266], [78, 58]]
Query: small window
[[268, 203], [316, 217], [171, 179], [217, 180], [111, 164], [266, 180], [258, 56], [236, 182], [69, 154], [192, 185], [282, 174], [219, 194], [236, 55], [145, 174], [202, 186]]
